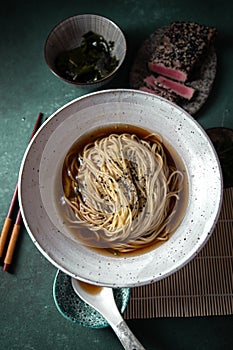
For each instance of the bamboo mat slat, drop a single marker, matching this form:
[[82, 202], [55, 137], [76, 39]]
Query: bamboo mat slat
[[204, 287]]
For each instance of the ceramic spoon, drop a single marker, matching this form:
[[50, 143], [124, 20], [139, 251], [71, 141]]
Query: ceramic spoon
[[102, 300]]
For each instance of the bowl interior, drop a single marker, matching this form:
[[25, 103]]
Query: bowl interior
[[68, 34], [40, 186]]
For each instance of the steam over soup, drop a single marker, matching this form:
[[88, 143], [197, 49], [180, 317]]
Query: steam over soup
[[124, 189]]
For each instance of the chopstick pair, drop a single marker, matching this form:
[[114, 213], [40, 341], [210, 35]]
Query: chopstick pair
[[7, 261]]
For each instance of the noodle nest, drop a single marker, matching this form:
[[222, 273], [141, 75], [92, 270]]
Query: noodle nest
[[123, 190]]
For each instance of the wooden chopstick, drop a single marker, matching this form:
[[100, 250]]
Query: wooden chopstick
[[12, 244], [8, 221]]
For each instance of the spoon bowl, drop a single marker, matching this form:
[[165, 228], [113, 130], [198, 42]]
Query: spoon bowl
[[102, 300]]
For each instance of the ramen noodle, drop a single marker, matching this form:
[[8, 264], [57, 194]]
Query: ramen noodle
[[121, 190]]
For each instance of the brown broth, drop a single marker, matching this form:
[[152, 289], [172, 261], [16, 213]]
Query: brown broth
[[173, 159], [90, 288]]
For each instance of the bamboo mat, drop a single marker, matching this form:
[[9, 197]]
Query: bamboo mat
[[204, 287]]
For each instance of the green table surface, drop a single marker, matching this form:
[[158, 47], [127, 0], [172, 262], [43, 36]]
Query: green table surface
[[28, 316]]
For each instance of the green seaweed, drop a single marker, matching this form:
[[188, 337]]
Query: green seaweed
[[89, 62]]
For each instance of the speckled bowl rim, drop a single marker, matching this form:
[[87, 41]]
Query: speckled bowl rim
[[141, 109], [224, 134], [99, 82]]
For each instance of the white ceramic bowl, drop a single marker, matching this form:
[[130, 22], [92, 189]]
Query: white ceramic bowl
[[40, 187], [68, 35]]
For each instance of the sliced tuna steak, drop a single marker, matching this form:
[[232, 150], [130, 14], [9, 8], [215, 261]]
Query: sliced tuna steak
[[159, 92], [180, 89], [151, 82], [181, 49], [174, 73]]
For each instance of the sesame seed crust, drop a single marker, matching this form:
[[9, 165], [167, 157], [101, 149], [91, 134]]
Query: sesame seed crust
[[183, 45]]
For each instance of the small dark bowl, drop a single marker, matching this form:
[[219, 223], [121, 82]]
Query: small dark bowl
[[68, 35]]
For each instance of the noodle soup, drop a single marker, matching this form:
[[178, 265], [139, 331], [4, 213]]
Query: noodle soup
[[125, 190]]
